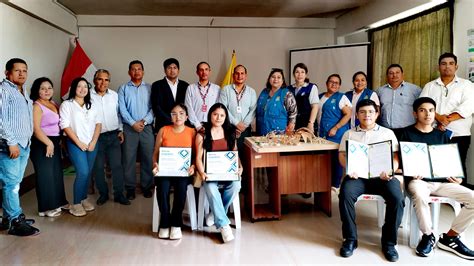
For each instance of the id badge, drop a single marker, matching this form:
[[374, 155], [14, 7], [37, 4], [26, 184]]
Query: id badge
[[204, 108], [239, 109]]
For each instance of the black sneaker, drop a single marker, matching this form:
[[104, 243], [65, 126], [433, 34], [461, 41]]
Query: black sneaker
[[347, 248], [5, 224], [390, 253], [147, 193], [426, 245], [102, 200], [19, 227], [130, 194], [122, 199], [454, 244]]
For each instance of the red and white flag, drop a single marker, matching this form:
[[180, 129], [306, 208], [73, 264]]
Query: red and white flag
[[79, 66]]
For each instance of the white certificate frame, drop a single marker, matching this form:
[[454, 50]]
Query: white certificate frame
[[174, 162], [222, 166]]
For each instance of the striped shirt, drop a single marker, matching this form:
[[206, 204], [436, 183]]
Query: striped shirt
[[134, 103], [16, 115]]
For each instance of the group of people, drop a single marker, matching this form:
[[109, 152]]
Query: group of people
[[101, 124]]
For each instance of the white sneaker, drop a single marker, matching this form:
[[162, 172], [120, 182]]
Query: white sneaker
[[175, 233], [66, 206], [226, 233], [54, 213], [87, 205], [210, 219], [164, 233], [77, 210]]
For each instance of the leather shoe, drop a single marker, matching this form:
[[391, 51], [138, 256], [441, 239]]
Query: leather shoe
[[130, 195], [390, 253], [122, 200], [147, 193], [102, 200], [347, 248]]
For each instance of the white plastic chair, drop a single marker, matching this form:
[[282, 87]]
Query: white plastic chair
[[381, 208], [435, 209], [203, 210], [190, 206]]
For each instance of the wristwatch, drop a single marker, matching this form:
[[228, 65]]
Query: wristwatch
[[145, 123]]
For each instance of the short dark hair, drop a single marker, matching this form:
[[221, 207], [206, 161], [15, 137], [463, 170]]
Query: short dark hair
[[169, 62], [242, 67], [418, 102], [135, 62], [10, 63], [448, 55], [275, 70], [359, 73], [302, 66], [34, 92], [366, 102], [202, 62], [334, 75], [182, 106], [392, 66]]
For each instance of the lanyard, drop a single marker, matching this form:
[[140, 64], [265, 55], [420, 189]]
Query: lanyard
[[203, 96], [238, 95]]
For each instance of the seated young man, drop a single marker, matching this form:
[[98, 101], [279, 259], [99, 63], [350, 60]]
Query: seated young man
[[420, 190], [387, 186]]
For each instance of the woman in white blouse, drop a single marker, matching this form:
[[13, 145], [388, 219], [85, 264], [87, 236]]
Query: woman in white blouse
[[80, 122]]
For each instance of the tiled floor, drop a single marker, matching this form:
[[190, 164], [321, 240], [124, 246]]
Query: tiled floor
[[116, 234]]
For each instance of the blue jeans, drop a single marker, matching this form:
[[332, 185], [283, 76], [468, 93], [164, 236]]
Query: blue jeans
[[11, 174], [83, 162], [220, 203]]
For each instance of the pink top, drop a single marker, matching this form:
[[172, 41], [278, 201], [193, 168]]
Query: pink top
[[49, 121]]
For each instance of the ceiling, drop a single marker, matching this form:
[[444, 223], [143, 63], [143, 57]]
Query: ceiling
[[215, 8]]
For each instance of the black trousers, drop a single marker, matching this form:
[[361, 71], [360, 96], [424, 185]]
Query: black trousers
[[163, 185], [463, 144], [351, 189]]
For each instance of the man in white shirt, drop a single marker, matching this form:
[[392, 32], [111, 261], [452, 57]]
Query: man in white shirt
[[454, 104], [111, 136], [201, 96]]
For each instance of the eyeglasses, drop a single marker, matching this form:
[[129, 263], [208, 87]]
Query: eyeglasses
[[180, 114]]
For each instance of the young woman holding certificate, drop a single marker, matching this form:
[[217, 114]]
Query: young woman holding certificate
[[219, 136], [176, 135]]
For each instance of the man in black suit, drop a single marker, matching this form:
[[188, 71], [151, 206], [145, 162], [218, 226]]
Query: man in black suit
[[167, 92]]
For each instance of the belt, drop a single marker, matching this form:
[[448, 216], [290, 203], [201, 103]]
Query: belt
[[110, 132]]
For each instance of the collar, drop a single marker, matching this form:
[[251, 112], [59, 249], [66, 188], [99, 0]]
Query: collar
[[359, 129], [95, 92], [130, 83], [440, 82], [243, 88], [401, 85], [170, 82], [11, 84]]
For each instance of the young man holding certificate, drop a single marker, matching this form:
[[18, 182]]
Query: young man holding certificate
[[386, 185], [424, 110]]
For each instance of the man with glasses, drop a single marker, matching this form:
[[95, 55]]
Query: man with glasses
[[137, 117], [454, 104], [396, 99], [387, 186], [111, 136], [167, 92], [200, 96]]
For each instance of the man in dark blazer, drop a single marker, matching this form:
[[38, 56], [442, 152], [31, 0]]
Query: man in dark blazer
[[167, 92]]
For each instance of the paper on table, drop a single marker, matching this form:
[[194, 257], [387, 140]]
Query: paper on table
[[380, 158]]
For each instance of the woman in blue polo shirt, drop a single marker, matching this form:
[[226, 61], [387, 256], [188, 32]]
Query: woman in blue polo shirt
[[358, 93]]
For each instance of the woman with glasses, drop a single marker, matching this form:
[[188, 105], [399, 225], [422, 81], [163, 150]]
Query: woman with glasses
[[276, 105], [46, 150], [81, 123], [306, 95], [176, 135], [333, 118], [358, 93]]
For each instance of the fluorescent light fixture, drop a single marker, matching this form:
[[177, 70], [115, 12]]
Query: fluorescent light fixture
[[407, 13]]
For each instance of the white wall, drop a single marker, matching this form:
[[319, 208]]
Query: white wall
[[258, 45], [43, 47], [463, 21]]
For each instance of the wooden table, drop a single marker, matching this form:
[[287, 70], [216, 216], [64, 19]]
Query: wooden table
[[292, 169]]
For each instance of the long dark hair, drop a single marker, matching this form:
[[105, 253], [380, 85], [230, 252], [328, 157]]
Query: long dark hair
[[72, 91], [229, 129], [34, 92]]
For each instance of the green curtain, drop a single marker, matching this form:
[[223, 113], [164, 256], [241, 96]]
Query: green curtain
[[415, 45]]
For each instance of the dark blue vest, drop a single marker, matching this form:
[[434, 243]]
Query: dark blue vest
[[303, 105], [330, 115], [271, 112], [365, 95]]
